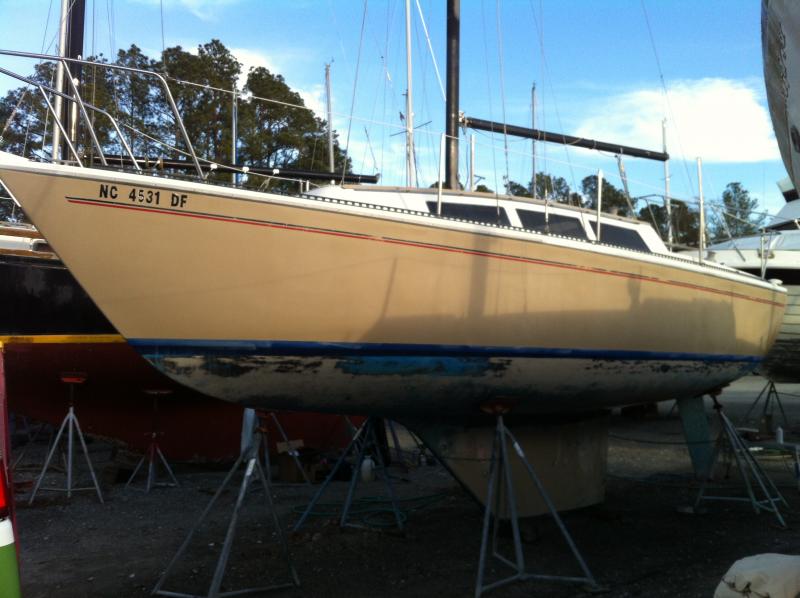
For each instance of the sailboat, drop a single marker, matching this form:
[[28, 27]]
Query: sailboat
[[418, 304]]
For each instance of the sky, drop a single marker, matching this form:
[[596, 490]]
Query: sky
[[611, 70]]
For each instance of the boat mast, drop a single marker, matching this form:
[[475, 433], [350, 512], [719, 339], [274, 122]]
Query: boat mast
[[411, 174], [77, 13], [328, 103], [533, 141], [59, 102], [667, 200], [234, 130], [451, 124], [70, 45], [701, 237]]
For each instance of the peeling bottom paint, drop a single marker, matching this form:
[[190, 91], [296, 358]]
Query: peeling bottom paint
[[422, 366]]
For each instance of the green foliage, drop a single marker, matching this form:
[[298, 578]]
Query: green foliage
[[9, 210], [685, 222], [737, 217], [517, 190], [613, 200], [548, 186], [271, 134], [22, 115]]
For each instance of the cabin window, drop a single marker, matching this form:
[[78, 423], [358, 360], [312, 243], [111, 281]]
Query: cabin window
[[557, 224], [475, 213], [620, 236]]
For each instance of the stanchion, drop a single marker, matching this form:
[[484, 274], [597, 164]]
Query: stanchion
[[499, 475], [249, 458], [73, 428], [153, 455]]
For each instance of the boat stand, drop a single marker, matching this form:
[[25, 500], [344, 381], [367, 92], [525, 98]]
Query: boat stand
[[364, 442], [71, 424], [153, 455], [292, 452], [731, 443], [249, 459], [32, 438], [771, 395], [499, 476]]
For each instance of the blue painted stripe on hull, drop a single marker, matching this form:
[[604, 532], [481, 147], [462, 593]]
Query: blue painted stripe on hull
[[165, 347]]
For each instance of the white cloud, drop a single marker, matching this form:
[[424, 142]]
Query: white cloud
[[252, 59], [313, 97], [719, 120], [205, 10]]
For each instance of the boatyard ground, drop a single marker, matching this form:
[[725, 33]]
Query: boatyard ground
[[638, 543]]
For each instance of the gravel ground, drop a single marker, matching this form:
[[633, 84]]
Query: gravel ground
[[638, 543]]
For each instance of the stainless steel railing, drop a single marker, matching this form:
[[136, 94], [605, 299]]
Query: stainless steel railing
[[45, 89]]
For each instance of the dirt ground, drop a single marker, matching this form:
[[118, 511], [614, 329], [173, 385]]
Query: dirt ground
[[638, 543]]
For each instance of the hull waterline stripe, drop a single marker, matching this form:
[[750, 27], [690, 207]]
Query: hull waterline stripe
[[166, 347], [416, 244]]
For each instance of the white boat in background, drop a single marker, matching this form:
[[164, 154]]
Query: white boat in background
[[780, 43], [776, 253]]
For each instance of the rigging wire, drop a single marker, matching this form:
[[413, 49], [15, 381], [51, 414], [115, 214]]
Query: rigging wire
[[502, 89], [430, 49], [355, 86], [488, 83], [666, 95], [539, 26], [387, 78], [163, 37]]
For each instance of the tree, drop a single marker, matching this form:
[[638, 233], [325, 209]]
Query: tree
[[556, 188], [547, 187], [22, 116], [738, 216], [517, 190], [685, 222], [278, 132], [614, 201]]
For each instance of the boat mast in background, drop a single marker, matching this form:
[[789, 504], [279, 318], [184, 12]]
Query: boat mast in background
[[451, 105], [533, 141], [701, 236], [328, 103], [667, 200], [234, 130], [59, 102], [411, 171]]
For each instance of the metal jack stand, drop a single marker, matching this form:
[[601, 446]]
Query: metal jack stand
[[499, 471], [363, 440], [73, 428], [730, 441], [770, 394], [249, 458], [293, 453], [153, 454]]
